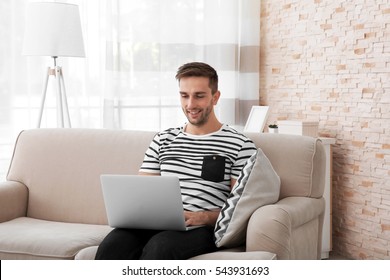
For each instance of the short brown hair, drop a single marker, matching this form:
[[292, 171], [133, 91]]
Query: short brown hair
[[199, 69]]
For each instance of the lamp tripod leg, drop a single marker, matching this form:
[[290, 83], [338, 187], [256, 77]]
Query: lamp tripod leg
[[43, 97], [62, 103], [60, 114], [64, 100]]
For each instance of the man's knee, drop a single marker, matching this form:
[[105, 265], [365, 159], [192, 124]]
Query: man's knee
[[161, 247]]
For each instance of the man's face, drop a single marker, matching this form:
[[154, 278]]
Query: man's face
[[197, 101]]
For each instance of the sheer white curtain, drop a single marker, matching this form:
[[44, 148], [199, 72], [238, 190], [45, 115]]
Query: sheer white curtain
[[133, 49], [149, 39]]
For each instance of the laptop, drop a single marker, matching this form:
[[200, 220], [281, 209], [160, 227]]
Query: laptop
[[143, 202]]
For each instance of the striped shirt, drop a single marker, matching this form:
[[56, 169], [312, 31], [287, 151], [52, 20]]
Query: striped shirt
[[205, 164]]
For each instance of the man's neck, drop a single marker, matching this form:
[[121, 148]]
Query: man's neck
[[204, 129]]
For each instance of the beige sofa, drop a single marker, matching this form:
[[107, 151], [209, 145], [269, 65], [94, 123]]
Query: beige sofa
[[51, 205]]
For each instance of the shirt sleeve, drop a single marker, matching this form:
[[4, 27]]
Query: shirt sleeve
[[247, 150], [151, 162]]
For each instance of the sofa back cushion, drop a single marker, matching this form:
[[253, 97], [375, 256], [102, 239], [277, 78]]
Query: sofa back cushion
[[62, 168], [298, 160]]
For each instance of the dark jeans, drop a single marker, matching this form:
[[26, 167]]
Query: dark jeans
[[133, 244]]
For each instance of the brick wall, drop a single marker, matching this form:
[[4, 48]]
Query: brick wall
[[329, 61]]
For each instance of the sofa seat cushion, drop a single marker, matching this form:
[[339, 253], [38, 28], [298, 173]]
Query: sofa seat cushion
[[236, 254], [88, 253], [28, 238], [227, 254]]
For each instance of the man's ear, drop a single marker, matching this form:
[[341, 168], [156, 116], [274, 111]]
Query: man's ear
[[216, 97]]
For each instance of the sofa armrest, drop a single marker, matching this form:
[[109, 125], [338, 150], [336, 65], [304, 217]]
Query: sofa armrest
[[13, 200], [271, 227]]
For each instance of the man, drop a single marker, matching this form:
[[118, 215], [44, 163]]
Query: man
[[206, 155]]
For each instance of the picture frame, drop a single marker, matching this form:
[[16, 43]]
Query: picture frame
[[257, 118]]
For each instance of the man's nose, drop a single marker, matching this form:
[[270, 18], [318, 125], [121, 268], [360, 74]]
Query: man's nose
[[191, 102]]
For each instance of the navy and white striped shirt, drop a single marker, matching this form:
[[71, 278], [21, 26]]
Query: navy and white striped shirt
[[205, 164]]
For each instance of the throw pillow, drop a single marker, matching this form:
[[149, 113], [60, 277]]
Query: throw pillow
[[257, 185]]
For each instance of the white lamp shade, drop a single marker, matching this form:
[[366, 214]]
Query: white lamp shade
[[53, 29]]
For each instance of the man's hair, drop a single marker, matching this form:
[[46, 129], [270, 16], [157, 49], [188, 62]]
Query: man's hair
[[199, 69]]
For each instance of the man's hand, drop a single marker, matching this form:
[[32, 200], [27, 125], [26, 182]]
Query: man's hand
[[207, 218]]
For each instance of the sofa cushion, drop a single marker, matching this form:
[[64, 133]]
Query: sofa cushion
[[27, 238], [62, 166], [228, 255], [298, 160], [88, 253], [257, 185]]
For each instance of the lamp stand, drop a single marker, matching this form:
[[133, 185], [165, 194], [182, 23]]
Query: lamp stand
[[62, 104]]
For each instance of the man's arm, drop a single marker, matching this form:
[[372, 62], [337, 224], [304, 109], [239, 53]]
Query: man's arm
[[208, 218], [148, 174], [232, 183]]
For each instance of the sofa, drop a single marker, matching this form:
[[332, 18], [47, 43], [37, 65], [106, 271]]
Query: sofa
[[51, 204]]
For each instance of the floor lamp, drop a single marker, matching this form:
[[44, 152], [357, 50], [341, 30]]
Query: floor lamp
[[54, 29]]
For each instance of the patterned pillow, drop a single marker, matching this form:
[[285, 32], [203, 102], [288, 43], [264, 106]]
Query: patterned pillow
[[257, 185]]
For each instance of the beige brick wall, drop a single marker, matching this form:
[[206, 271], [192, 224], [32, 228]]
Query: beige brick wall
[[329, 61]]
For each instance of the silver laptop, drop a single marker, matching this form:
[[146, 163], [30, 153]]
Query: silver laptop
[[144, 202]]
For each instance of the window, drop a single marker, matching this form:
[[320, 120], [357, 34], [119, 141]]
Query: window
[[133, 49]]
